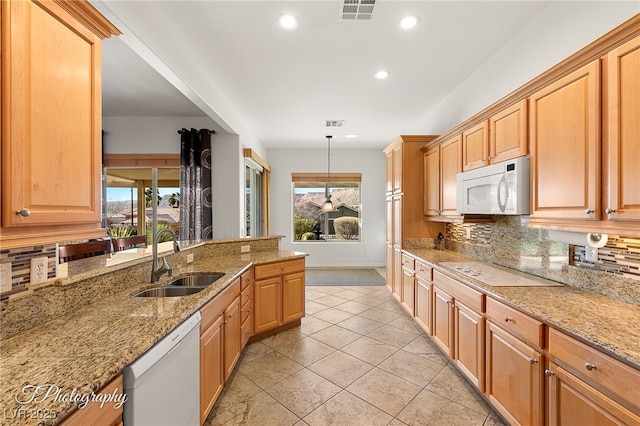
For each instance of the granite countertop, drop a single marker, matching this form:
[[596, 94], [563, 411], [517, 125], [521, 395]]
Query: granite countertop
[[87, 348], [603, 323]]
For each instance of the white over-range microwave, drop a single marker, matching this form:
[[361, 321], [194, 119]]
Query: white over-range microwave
[[501, 188]]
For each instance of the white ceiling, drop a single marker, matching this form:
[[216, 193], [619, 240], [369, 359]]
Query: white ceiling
[[278, 86]]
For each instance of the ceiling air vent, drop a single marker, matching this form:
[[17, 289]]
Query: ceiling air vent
[[334, 123], [357, 10]]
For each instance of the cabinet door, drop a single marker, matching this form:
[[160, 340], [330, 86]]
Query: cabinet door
[[443, 320], [397, 272], [51, 130], [423, 304], [389, 174], [408, 290], [397, 169], [450, 166], [475, 146], [431, 170], [397, 220], [232, 334], [622, 139], [389, 266], [564, 137], [267, 304], [508, 133], [211, 366], [389, 220], [469, 343], [513, 378], [292, 297], [570, 401]]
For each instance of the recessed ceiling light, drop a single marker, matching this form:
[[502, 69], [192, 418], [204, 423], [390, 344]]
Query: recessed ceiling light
[[288, 22], [408, 22], [381, 75], [351, 136]]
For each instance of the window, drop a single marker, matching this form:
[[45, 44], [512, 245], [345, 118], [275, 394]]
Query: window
[[310, 223], [256, 172]]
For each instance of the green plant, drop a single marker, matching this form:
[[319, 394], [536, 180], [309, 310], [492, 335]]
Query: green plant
[[121, 230], [347, 227], [300, 226], [174, 200], [165, 236], [308, 236], [148, 194]]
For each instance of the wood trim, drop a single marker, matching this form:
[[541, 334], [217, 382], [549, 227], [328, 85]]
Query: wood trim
[[88, 15], [249, 153], [141, 160], [322, 177], [425, 139], [613, 39]]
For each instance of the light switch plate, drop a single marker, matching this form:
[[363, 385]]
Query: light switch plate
[[245, 249], [5, 277], [190, 258], [39, 267], [591, 254]]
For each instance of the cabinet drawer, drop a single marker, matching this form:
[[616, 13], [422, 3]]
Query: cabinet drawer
[[245, 331], [245, 311], [408, 262], [246, 296], [423, 271], [93, 414], [470, 297], [218, 304], [278, 268], [515, 322], [245, 279], [595, 367]]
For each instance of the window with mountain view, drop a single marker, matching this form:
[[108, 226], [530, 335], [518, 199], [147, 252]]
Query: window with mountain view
[[310, 223]]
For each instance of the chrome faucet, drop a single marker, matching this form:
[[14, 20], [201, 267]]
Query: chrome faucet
[[158, 271]]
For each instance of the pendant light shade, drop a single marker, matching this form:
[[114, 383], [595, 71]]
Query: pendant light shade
[[327, 206]]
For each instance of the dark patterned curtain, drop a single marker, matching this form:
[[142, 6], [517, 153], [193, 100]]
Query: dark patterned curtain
[[195, 185]]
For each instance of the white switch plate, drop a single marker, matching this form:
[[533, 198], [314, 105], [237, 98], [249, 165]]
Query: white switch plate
[[468, 230], [591, 254], [39, 266], [245, 249], [5, 277], [190, 258]]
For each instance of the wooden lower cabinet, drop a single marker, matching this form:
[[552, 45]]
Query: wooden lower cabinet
[[468, 335], [424, 298], [514, 377], [211, 366], [570, 401], [246, 308], [95, 415], [278, 294], [408, 290], [443, 320], [232, 345]]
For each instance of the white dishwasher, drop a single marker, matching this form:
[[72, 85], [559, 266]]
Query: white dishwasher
[[163, 385]]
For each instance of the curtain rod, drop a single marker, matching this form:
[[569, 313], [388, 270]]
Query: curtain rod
[[183, 130]]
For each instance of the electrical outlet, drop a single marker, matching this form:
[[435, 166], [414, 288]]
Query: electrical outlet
[[591, 254], [190, 258], [5, 277], [245, 249], [39, 270], [468, 230]]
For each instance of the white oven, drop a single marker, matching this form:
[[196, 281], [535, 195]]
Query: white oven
[[501, 188]]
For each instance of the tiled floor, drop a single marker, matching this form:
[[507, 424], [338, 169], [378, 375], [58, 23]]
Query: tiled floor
[[357, 359]]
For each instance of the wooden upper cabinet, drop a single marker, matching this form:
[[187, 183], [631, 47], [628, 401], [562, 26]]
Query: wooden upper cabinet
[[564, 137], [450, 166], [508, 133], [389, 173], [51, 120], [475, 146], [431, 170], [397, 169], [621, 142]]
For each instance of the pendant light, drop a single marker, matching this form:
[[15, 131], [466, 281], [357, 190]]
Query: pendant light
[[328, 205]]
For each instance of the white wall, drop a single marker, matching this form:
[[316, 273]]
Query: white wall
[[371, 163], [558, 31]]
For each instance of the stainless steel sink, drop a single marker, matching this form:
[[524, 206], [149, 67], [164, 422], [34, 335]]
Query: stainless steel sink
[[169, 292], [196, 280]]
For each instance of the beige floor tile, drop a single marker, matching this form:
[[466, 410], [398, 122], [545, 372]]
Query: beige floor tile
[[326, 289], [392, 306], [384, 391], [450, 384], [259, 410], [283, 338], [412, 368], [269, 369], [340, 368], [491, 421], [424, 348], [311, 294], [373, 299], [348, 294], [403, 322], [360, 325], [237, 390], [369, 350], [380, 315], [335, 336], [312, 308], [353, 307], [431, 409], [311, 324], [301, 423], [393, 336], [303, 392], [345, 409], [331, 300], [363, 289], [306, 351], [333, 315], [252, 351]]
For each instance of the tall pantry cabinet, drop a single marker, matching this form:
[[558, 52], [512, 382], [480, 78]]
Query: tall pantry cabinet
[[404, 192], [51, 120]]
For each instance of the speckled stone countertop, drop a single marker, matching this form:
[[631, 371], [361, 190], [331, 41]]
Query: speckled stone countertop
[[85, 349], [606, 324]]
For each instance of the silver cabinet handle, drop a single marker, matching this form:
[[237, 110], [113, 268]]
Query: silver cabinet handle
[[588, 211], [507, 319], [609, 210], [589, 367], [533, 361], [549, 373], [24, 212]]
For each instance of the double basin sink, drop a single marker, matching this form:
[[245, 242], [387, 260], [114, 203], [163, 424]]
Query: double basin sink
[[183, 286]]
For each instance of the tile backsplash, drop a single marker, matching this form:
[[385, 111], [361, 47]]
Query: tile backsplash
[[20, 259]]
